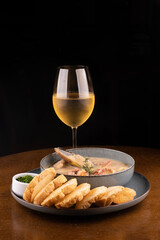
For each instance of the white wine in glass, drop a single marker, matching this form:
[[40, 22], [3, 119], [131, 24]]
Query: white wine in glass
[[73, 96]]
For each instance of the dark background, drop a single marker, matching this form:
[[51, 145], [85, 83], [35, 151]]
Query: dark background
[[118, 40]]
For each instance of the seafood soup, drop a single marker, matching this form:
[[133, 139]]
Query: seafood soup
[[92, 166]]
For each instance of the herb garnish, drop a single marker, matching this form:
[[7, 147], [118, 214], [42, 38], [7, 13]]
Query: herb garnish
[[25, 179], [86, 166]]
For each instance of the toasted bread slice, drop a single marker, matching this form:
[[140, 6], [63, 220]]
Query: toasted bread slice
[[108, 197], [37, 179], [126, 195], [49, 188], [92, 197], [60, 192], [75, 196], [50, 176]]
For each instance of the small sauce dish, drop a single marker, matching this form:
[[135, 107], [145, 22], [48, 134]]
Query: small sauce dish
[[19, 187]]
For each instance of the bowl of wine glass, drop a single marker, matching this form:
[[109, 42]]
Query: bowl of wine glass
[[73, 96]]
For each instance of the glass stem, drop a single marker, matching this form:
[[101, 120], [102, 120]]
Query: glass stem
[[74, 137]]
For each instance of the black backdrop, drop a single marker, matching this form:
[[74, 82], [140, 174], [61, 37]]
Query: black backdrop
[[118, 40]]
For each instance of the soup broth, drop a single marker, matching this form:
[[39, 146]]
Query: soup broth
[[101, 166]]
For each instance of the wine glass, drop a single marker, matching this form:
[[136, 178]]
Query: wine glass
[[73, 96]]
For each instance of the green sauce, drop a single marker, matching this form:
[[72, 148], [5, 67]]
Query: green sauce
[[25, 179]]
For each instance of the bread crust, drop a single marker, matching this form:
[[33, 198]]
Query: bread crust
[[60, 193], [92, 197], [75, 196], [49, 188], [108, 197], [126, 195], [27, 196]]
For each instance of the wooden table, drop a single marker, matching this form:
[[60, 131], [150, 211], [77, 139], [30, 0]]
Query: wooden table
[[139, 222]]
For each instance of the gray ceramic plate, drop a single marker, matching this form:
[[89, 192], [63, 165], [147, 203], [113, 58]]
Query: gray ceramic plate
[[138, 182]]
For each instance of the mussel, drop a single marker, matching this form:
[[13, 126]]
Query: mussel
[[73, 159]]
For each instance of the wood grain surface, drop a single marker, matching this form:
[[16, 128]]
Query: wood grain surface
[[139, 222]]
